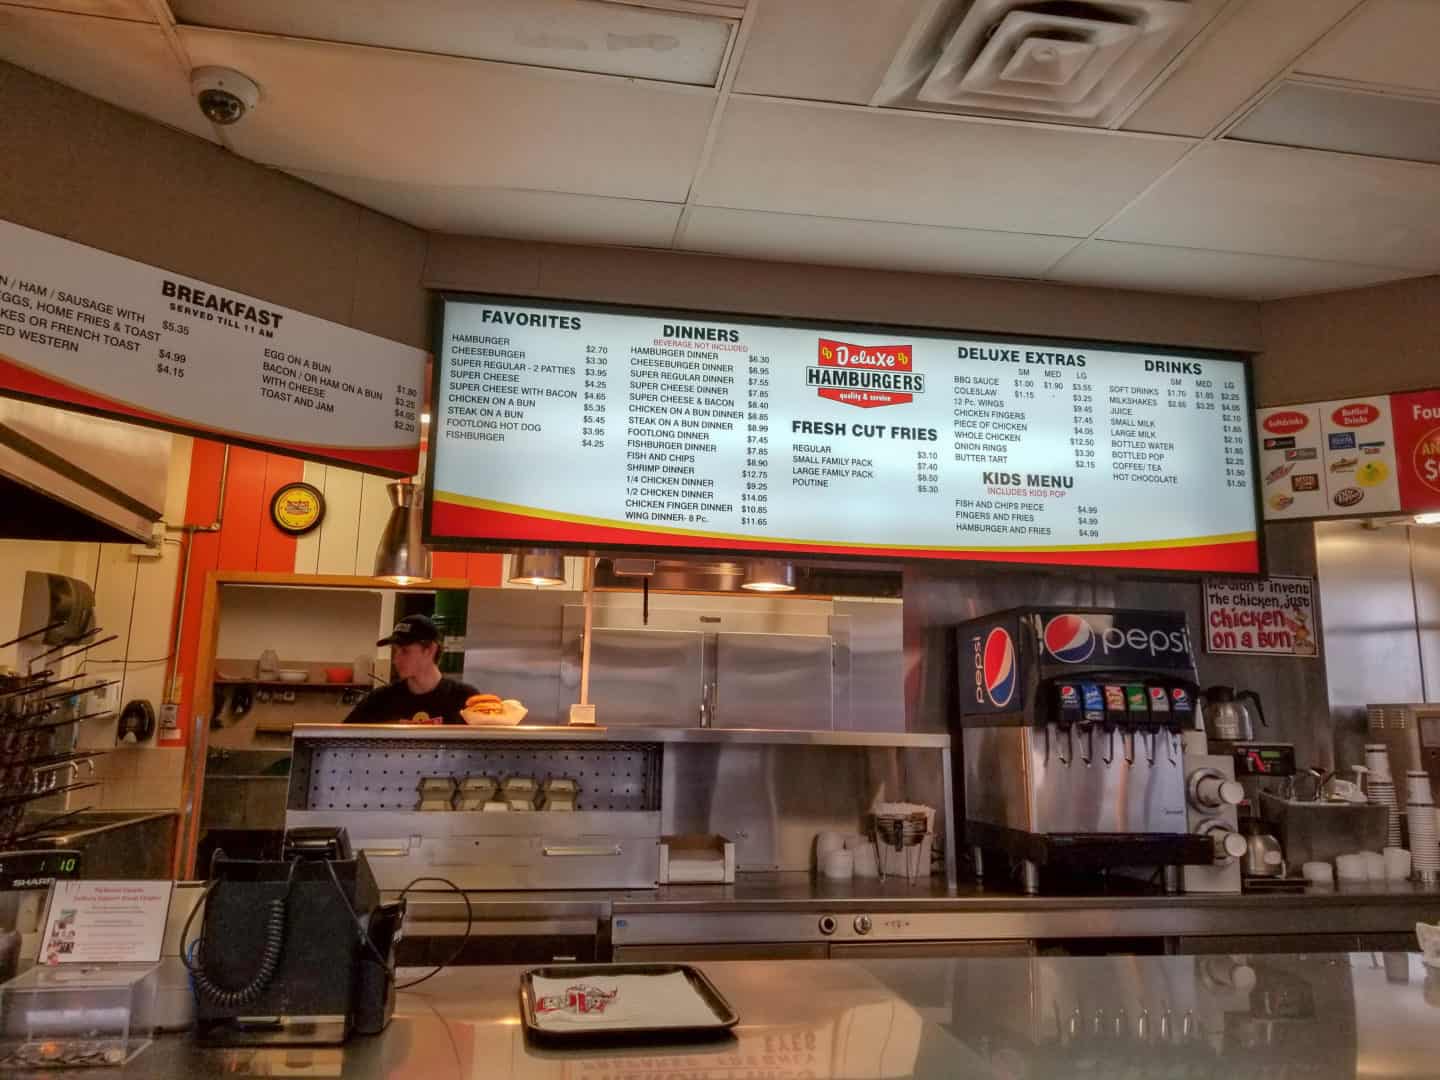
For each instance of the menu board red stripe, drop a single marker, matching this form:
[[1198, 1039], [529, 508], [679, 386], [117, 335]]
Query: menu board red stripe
[[26, 382], [453, 519]]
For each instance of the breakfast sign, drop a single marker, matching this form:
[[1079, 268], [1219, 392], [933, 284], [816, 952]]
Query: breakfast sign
[[83, 329], [593, 426], [1355, 456]]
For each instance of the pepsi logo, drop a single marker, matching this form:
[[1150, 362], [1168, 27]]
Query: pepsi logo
[[1000, 672], [1069, 639]]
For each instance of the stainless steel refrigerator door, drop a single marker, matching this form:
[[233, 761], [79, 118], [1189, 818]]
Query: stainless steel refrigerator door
[[774, 681], [646, 678]]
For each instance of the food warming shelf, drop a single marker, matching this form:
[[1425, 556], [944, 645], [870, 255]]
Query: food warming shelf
[[562, 733]]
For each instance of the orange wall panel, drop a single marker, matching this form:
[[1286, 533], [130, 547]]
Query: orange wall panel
[[276, 549]]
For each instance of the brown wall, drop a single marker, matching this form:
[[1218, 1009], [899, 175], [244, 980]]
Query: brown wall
[[1365, 341], [720, 283], [75, 167]]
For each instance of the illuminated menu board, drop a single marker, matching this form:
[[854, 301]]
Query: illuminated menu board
[[595, 427]]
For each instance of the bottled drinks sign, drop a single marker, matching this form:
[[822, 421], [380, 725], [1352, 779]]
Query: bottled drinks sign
[[572, 424], [83, 329]]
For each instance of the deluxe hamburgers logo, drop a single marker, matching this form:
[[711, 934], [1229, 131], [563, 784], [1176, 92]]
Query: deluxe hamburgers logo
[[866, 376]]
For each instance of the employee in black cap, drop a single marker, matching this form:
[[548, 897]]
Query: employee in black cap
[[421, 694]]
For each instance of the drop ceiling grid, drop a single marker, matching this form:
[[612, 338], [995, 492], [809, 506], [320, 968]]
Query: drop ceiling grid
[[488, 124], [853, 162]]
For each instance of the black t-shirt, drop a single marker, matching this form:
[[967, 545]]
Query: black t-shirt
[[395, 704]]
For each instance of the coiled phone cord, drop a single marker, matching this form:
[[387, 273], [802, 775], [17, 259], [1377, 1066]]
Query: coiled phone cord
[[270, 955]]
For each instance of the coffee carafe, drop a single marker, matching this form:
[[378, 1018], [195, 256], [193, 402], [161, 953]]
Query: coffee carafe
[[1226, 715]]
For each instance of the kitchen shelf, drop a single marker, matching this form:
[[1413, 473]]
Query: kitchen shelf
[[280, 684]]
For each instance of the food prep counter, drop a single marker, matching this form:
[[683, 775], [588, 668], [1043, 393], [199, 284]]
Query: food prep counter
[[1362, 1014]]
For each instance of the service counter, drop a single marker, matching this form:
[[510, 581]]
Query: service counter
[[1319, 1016]]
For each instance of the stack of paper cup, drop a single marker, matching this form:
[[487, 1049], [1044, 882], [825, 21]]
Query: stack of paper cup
[[1380, 787], [1424, 843]]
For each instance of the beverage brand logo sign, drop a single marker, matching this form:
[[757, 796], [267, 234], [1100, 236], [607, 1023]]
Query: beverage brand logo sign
[[865, 376], [1069, 639], [1073, 639], [1283, 423], [999, 668]]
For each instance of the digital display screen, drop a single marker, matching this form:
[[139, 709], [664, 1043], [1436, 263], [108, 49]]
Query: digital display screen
[[582, 426]]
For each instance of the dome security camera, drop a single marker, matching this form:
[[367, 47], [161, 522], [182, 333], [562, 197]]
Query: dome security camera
[[224, 96]]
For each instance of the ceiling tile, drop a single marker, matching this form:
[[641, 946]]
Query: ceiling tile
[[874, 244], [422, 119], [140, 10], [1388, 42], [616, 39], [1248, 47], [123, 62], [824, 50], [1156, 268], [834, 161], [1266, 200], [527, 215]]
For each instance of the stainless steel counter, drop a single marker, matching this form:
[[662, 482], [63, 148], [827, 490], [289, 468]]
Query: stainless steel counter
[[1199, 1017], [566, 733], [787, 907]]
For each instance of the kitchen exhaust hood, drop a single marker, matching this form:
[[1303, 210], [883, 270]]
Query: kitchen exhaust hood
[[70, 476]]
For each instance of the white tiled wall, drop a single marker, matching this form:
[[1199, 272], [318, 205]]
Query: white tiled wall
[[134, 599]]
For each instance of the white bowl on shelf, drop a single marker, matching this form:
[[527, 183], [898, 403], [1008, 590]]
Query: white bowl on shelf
[[294, 675]]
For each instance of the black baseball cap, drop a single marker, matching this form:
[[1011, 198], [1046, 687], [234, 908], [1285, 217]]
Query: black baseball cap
[[411, 630]]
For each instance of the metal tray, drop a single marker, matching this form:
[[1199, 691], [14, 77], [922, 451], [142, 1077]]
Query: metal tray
[[725, 1015]]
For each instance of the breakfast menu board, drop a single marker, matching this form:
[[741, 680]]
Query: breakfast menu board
[[616, 428], [83, 329]]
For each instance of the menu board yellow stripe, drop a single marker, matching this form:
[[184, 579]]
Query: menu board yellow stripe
[[456, 499]]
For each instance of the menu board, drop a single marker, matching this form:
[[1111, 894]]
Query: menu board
[[616, 428], [1365, 456], [87, 330]]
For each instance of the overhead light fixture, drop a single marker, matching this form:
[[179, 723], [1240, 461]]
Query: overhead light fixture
[[537, 566], [1432, 518], [402, 556], [769, 575]]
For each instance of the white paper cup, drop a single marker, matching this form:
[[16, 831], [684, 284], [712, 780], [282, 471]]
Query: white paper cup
[[825, 844], [865, 862], [1318, 873], [1350, 867], [1397, 864], [1417, 789], [839, 865], [1374, 865], [1377, 760]]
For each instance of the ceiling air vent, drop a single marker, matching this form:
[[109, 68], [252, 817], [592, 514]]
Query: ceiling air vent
[[1073, 62]]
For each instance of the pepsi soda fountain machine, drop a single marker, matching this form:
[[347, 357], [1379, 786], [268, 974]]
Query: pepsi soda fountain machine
[[1071, 758]]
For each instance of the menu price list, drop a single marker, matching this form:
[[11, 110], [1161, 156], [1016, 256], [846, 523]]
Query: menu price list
[[193, 352], [726, 429]]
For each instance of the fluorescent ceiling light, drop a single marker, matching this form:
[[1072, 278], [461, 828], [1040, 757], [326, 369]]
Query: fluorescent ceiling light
[[1319, 117], [573, 35], [1432, 518]]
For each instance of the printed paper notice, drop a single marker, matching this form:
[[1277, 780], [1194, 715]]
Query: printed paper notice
[[103, 922], [1270, 616]]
